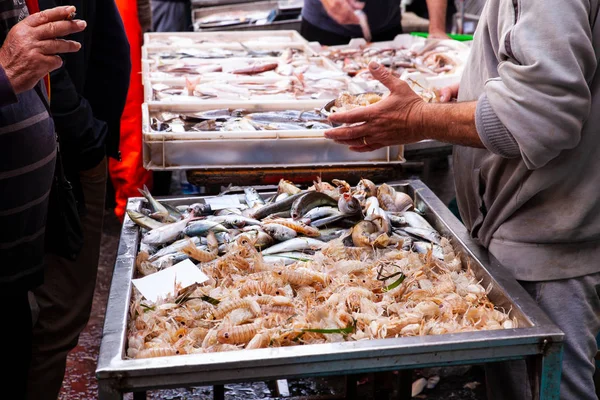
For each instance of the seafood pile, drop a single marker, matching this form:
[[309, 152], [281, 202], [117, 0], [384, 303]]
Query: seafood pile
[[291, 88], [327, 264], [228, 120], [435, 58], [346, 101], [213, 52]]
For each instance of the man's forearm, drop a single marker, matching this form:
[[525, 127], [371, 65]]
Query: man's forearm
[[437, 15], [451, 123]]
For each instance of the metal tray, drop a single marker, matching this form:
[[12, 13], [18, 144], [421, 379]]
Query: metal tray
[[536, 337]]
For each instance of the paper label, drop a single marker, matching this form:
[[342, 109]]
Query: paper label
[[163, 283], [224, 202]]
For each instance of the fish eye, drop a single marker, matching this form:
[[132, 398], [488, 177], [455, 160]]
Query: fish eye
[[177, 352], [226, 335]]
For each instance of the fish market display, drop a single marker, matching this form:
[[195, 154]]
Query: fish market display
[[228, 120], [327, 264]]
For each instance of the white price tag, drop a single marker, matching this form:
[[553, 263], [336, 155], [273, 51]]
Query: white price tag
[[163, 283]]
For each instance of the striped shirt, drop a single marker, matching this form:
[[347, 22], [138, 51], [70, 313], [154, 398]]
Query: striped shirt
[[27, 158]]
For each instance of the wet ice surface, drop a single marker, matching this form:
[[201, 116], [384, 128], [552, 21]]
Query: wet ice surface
[[80, 381]]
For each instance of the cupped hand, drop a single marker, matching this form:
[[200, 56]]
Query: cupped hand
[[30, 50], [394, 120], [342, 11]]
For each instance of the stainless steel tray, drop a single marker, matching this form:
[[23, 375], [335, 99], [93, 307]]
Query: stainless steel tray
[[536, 337]]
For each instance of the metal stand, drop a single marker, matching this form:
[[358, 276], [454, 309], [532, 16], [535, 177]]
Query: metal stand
[[351, 387], [219, 392], [404, 384]]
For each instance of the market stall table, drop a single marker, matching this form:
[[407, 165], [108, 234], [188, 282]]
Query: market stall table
[[536, 339]]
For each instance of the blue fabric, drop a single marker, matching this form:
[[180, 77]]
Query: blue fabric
[[382, 15]]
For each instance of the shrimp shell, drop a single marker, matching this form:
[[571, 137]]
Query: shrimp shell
[[259, 341], [197, 254], [253, 288], [270, 309], [225, 308], [241, 334], [157, 352], [303, 276]]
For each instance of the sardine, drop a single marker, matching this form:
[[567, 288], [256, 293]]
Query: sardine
[[427, 234], [416, 221], [144, 221], [169, 260], [253, 199], [296, 244], [166, 233], [159, 210], [276, 207], [321, 212], [309, 201], [234, 220], [173, 248], [279, 232], [328, 220], [173, 212], [425, 247], [202, 227]]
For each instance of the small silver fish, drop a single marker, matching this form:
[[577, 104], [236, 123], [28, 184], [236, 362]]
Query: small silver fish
[[427, 234], [321, 212], [173, 248], [144, 221], [279, 232], [253, 199], [297, 244], [166, 233], [416, 221]]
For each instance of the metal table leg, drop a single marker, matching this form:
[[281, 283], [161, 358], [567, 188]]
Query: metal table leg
[[219, 392], [107, 392], [351, 387], [404, 384], [550, 371]]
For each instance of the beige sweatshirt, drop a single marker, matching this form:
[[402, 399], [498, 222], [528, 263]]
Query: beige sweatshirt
[[533, 197]]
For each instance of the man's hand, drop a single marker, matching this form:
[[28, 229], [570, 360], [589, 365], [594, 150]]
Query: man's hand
[[396, 119], [30, 50], [342, 11]]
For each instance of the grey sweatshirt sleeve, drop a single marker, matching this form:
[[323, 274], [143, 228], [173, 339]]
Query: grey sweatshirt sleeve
[[539, 103]]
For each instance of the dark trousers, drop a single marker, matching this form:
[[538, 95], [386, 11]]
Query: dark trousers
[[65, 297], [313, 33], [16, 336]]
